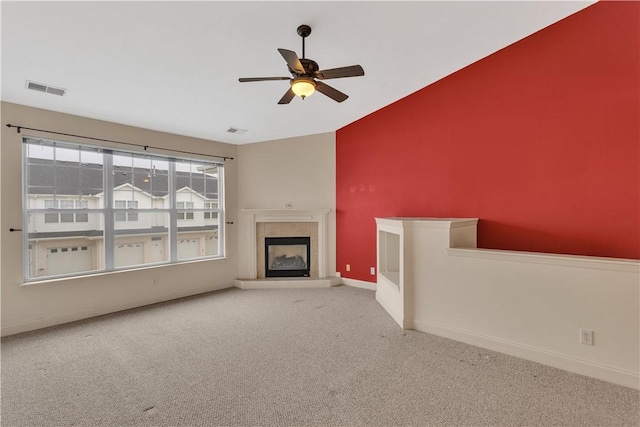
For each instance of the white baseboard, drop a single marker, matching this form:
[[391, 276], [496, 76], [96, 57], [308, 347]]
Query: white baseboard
[[557, 360], [46, 322], [359, 284]]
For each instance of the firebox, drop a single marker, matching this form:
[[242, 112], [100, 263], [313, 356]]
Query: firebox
[[287, 256]]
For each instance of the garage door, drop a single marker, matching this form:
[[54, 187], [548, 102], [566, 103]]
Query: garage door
[[211, 245], [71, 259], [188, 248], [128, 254]]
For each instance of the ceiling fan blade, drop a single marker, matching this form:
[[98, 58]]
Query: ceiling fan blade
[[332, 93], [336, 73], [287, 97], [261, 79], [292, 60]]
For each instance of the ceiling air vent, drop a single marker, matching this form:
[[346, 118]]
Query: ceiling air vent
[[237, 131], [44, 88]]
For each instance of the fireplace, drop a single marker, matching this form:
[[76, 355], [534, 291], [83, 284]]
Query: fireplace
[[287, 256], [258, 224]]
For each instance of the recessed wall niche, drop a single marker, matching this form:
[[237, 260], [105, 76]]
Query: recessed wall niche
[[389, 253]]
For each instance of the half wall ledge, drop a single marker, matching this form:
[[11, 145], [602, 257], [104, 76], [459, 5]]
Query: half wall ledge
[[433, 278]]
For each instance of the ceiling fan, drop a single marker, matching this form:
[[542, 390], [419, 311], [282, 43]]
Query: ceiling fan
[[306, 74]]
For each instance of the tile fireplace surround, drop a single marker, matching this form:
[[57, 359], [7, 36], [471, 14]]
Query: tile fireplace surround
[[261, 223]]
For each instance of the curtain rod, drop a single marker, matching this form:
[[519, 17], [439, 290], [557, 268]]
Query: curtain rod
[[145, 147]]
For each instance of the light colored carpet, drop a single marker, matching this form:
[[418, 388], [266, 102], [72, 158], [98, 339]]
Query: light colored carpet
[[283, 357]]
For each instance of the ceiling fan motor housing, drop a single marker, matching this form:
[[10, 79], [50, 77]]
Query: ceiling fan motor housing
[[309, 66]]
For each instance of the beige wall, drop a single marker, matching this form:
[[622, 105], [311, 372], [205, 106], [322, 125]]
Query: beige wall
[[532, 305], [57, 301], [299, 170]]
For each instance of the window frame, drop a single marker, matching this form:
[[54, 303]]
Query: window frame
[[108, 211]]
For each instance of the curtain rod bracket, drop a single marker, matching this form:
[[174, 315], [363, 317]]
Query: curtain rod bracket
[[18, 128]]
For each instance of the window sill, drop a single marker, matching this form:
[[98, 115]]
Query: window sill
[[110, 273]]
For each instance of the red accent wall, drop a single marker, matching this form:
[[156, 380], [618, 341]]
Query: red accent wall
[[539, 140]]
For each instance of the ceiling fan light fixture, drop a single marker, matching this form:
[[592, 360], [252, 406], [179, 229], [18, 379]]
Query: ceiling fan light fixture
[[303, 86]]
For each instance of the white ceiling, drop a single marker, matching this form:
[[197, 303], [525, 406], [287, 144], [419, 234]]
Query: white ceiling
[[174, 66]]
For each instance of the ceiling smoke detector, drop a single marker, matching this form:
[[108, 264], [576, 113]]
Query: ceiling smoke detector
[[44, 88]]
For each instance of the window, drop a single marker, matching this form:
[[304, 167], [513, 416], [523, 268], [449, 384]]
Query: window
[[82, 204], [91, 209], [65, 217], [132, 204], [49, 217], [126, 204], [210, 213], [185, 205]]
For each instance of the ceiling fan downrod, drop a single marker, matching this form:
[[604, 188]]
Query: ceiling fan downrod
[[304, 31]]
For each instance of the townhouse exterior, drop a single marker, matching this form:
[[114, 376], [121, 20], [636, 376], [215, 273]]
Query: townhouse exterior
[[66, 236]]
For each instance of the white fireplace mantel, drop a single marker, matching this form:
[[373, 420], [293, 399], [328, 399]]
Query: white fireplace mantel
[[253, 216]]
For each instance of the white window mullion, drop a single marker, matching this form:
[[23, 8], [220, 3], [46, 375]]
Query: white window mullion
[[109, 225], [26, 254], [221, 212], [173, 215]]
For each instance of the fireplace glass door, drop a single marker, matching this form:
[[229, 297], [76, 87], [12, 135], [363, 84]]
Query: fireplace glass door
[[287, 256]]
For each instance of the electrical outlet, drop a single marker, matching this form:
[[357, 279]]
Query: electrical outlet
[[586, 336], [373, 271], [348, 267]]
